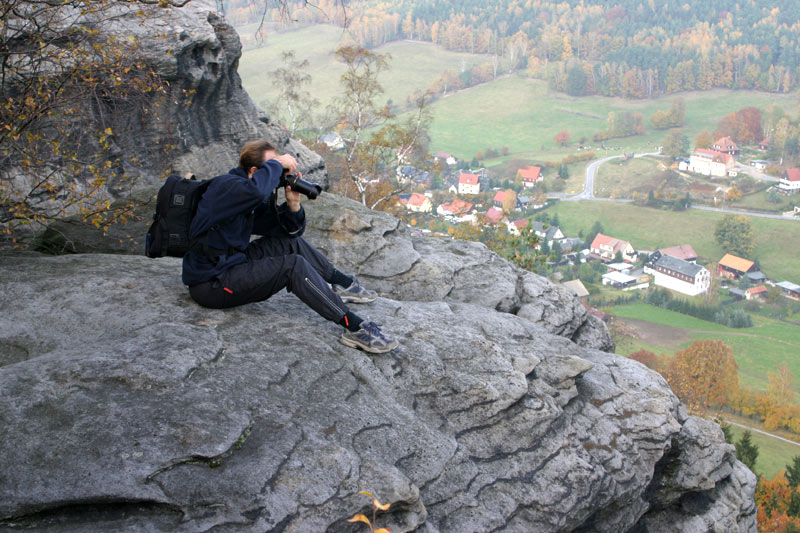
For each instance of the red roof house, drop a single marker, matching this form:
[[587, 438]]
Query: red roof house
[[607, 247], [494, 215], [456, 207], [726, 146], [530, 175], [684, 251], [756, 292]]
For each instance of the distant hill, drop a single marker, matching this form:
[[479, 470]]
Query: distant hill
[[633, 48]]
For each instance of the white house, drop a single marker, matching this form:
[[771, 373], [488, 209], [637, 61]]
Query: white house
[[711, 163], [790, 182], [607, 247], [549, 234], [419, 203], [682, 276], [468, 184], [449, 159], [333, 140]]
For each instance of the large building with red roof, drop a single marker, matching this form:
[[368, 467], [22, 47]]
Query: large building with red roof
[[711, 163], [468, 183]]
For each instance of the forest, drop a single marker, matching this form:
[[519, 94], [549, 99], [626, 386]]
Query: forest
[[633, 48]]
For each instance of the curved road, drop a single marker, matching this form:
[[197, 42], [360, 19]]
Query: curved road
[[588, 192]]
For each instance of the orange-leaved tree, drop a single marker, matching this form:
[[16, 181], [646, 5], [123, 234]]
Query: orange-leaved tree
[[704, 375]]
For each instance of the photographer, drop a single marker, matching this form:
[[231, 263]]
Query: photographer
[[225, 269]]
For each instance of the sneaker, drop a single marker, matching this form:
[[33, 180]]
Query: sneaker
[[355, 293], [369, 338]]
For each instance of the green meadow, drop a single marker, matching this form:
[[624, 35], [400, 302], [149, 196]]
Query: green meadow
[[525, 115], [413, 66], [773, 454], [520, 113], [649, 229], [758, 350]]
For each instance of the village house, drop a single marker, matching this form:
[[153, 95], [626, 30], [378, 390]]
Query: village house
[[754, 293], [625, 268], [764, 144], [625, 282], [756, 277], [606, 248], [683, 251], [733, 267], [736, 293], [579, 289], [416, 202], [789, 289], [516, 227], [468, 183], [332, 140], [457, 210], [494, 215], [444, 157], [726, 145], [530, 175], [549, 234], [710, 163], [681, 276], [409, 174], [499, 198], [790, 181]]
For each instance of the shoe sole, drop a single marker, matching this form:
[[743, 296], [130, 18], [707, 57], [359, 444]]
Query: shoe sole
[[370, 349], [355, 300]]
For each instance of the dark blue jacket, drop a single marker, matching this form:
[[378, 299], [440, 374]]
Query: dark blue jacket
[[228, 202]]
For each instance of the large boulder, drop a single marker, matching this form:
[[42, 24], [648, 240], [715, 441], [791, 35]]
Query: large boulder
[[381, 250], [127, 407]]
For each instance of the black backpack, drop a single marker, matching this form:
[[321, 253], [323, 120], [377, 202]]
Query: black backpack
[[175, 207]]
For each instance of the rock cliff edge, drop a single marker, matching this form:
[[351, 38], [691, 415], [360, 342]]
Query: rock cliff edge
[[126, 406]]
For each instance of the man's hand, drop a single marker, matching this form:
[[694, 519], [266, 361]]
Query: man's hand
[[288, 162], [292, 199]]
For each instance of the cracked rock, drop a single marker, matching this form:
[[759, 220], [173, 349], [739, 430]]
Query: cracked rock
[[139, 410]]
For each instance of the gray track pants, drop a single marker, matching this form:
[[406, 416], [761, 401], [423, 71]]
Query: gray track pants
[[273, 264]]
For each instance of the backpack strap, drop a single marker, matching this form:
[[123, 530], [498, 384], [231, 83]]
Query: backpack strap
[[203, 248]]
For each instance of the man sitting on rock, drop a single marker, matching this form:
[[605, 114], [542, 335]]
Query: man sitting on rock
[[227, 270]]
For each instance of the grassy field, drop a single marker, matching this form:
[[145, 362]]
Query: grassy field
[[758, 201], [773, 454], [525, 115], [616, 178], [413, 66], [758, 350], [649, 229], [520, 113]]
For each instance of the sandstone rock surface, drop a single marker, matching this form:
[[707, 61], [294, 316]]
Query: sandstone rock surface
[[125, 406], [382, 251]]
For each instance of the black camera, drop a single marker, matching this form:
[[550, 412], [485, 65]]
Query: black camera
[[298, 184]]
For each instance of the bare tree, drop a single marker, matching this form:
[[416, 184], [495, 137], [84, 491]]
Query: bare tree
[[292, 82], [376, 142]]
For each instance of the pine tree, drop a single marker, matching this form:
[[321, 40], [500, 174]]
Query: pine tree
[[793, 472], [746, 451], [726, 431]]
